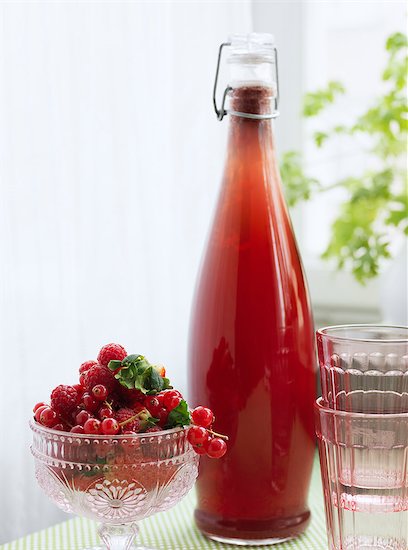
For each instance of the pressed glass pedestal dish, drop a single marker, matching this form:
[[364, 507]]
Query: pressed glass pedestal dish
[[115, 480]]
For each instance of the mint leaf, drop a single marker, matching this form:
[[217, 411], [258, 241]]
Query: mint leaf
[[137, 373], [179, 416], [114, 364]]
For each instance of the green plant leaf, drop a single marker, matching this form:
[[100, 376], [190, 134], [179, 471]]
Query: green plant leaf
[[137, 373], [315, 102], [296, 184], [179, 416]]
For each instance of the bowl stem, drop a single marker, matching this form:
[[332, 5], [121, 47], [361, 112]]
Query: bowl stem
[[118, 537]]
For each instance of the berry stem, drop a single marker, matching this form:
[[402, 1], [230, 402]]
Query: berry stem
[[127, 421], [221, 436]]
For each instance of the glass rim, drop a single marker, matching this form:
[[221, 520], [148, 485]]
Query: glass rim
[[318, 405], [34, 426], [325, 332]]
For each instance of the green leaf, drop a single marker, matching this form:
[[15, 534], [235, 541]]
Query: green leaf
[[179, 416], [320, 138], [296, 184], [137, 373], [114, 364], [315, 102]]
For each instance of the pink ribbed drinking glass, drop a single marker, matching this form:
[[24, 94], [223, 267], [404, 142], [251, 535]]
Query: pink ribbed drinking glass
[[363, 461], [364, 368]]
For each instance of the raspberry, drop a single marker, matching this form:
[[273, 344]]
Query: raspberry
[[111, 352], [153, 429], [123, 415], [96, 375], [87, 365], [64, 399], [130, 397]]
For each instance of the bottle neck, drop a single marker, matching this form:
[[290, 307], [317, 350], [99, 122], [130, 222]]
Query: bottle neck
[[251, 99], [251, 143]]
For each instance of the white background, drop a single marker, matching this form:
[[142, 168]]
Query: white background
[[110, 160]]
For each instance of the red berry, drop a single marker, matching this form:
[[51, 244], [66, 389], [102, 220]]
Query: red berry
[[199, 449], [99, 375], [202, 417], [91, 404], [197, 435], [111, 352], [87, 365], [153, 429], [162, 415], [77, 430], [82, 380], [39, 411], [110, 426], [152, 404], [124, 415], [100, 392], [38, 405], [173, 403], [48, 417], [92, 426], [64, 399], [216, 447], [129, 397], [82, 417], [79, 388], [105, 412], [168, 396], [60, 427]]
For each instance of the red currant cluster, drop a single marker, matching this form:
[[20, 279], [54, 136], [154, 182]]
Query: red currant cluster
[[201, 436], [125, 394]]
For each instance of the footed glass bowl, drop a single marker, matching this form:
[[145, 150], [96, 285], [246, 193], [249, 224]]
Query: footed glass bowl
[[115, 480]]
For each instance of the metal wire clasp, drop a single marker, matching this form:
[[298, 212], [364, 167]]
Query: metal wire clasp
[[221, 112]]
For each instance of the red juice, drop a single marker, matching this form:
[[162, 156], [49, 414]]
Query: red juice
[[251, 356]]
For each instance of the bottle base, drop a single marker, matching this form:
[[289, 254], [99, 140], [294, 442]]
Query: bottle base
[[251, 532]]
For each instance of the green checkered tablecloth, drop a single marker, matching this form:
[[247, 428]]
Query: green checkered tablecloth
[[172, 530]]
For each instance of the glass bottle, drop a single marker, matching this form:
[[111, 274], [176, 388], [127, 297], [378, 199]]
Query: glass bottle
[[251, 352]]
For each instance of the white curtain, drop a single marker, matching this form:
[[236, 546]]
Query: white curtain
[[110, 159]]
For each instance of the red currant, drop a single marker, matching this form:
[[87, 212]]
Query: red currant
[[100, 392], [92, 426], [168, 396], [202, 416], [48, 417], [38, 405], [91, 404], [105, 412], [77, 430], [216, 447], [59, 427], [82, 417], [173, 403], [110, 426], [152, 404], [199, 449], [162, 415], [197, 435], [39, 411]]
